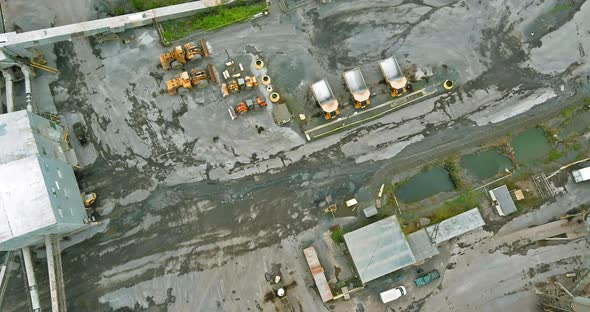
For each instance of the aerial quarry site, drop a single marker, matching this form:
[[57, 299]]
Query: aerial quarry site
[[294, 155]]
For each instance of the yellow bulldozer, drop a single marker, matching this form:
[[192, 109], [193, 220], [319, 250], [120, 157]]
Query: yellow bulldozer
[[188, 52], [186, 81]]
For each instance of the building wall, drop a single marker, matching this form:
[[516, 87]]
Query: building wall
[[48, 137], [63, 191]]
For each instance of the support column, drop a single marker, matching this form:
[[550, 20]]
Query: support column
[[27, 73], [32, 282], [9, 96], [58, 302]]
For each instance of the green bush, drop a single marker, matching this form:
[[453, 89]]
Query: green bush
[[212, 19]]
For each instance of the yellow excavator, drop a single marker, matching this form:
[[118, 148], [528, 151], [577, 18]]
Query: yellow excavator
[[88, 199], [186, 81], [188, 52]]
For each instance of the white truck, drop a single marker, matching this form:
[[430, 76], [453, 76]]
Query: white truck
[[392, 294]]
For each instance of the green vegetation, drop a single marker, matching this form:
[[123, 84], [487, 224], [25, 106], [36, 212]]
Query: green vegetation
[[554, 155], [213, 18], [118, 10], [453, 207], [337, 235], [142, 5], [568, 111], [451, 165], [561, 7]]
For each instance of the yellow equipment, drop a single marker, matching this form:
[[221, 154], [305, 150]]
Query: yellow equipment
[[180, 55], [185, 81], [231, 86], [88, 199]]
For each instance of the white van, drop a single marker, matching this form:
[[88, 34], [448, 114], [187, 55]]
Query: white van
[[392, 294]]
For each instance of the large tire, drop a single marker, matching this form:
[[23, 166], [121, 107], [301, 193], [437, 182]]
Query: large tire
[[176, 65], [181, 90]]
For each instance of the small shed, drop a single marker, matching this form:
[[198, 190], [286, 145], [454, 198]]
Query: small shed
[[582, 174], [379, 248], [502, 200]]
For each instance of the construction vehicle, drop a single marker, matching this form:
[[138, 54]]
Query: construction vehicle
[[394, 76], [186, 81], [88, 199], [235, 85], [358, 88], [246, 106], [180, 55], [80, 133], [325, 97]]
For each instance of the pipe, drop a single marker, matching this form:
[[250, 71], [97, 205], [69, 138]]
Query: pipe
[[27, 73], [31, 279], [9, 97]]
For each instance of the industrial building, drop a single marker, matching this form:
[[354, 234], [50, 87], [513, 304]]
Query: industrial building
[[502, 200], [39, 196], [381, 248]]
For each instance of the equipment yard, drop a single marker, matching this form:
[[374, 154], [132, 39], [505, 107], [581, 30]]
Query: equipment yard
[[210, 179]]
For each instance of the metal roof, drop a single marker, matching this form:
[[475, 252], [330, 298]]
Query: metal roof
[[455, 226], [379, 248], [25, 204], [318, 273], [582, 174], [16, 137], [503, 201], [422, 245]]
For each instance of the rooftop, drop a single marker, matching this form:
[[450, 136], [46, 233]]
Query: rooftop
[[455, 226], [503, 201], [24, 201], [422, 245], [582, 174], [379, 248]]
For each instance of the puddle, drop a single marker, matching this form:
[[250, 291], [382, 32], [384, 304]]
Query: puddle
[[530, 146], [424, 185], [578, 125], [485, 164]]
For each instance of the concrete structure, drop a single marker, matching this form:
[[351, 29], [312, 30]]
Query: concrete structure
[[16, 43], [379, 248], [455, 226], [581, 174], [422, 245], [502, 200], [318, 273], [370, 211], [39, 193]]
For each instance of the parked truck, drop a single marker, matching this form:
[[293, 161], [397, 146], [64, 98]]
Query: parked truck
[[427, 278]]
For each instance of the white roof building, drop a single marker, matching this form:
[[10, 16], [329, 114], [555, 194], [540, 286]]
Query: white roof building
[[39, 193], [379, 248], [581, 174]]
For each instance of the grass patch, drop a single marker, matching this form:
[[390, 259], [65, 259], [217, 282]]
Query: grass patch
[[450, 208], [568, 112], [451, 165], [560, 7], [337, 235], [142, 5], [554, 155], [209, 20], [455, 206]]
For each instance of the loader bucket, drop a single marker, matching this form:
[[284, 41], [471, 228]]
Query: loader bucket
[[213, 73], [207, 48]]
